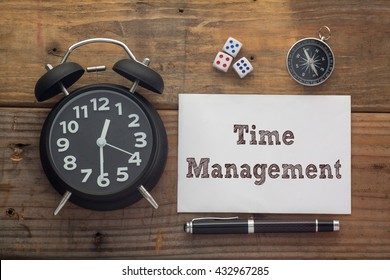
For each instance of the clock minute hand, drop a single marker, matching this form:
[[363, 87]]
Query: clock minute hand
[[101, 142], [101, 157]]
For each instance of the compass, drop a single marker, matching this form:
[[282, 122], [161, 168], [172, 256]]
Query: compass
[[310, 61]]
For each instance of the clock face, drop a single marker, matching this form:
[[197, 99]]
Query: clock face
[[99, 144], [310, 61]]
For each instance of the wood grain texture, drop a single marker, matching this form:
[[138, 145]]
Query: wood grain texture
[[182, 39], [29, 229]]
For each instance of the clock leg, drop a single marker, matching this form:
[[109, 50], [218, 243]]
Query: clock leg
[[147, 196], [63, 201]]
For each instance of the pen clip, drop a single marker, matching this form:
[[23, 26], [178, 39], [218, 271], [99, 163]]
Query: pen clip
[[215, 218]]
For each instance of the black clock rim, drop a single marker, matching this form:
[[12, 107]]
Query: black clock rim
[[289, 59], [129, 195]]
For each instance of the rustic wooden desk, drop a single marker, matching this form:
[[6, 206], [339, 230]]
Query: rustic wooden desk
[[182, 38]]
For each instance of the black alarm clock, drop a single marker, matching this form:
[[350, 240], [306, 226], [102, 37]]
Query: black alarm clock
[[310, 61], [103, 146]]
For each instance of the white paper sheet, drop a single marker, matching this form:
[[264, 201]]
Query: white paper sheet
[[240, 153]]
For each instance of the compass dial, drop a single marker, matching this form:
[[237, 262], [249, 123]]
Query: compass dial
[[310, 61]]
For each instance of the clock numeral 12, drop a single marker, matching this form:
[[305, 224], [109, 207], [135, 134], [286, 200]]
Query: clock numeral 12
[[103, 106], [82, 111]]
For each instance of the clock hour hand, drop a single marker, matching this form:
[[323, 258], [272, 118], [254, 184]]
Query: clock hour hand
[[101, 141], [105, 129]]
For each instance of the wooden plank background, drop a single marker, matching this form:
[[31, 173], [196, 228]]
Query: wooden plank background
[[182, 38]]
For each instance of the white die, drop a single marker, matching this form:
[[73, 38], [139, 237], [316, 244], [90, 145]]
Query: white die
[[232, 46], [243, 67], [222, 61]]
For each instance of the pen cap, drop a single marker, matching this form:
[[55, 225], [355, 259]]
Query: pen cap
[[328, 225]]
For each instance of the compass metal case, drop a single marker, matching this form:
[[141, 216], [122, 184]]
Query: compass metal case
[[310, 61]]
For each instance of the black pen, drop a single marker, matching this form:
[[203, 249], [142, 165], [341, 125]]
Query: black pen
[[235, 225]]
